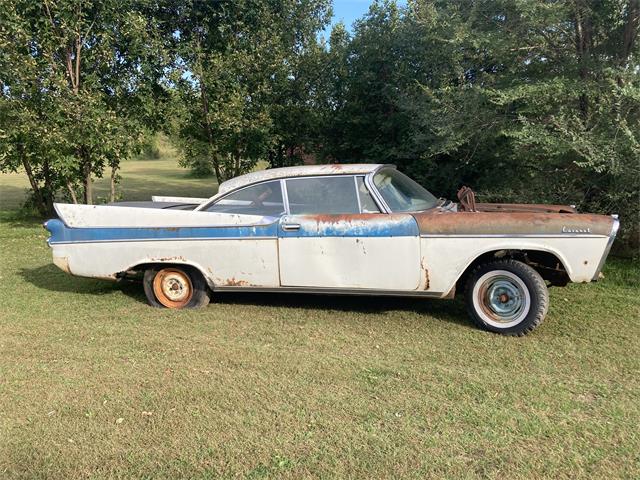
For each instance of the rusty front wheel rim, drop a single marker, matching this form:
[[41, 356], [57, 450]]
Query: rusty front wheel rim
[[172, 288]]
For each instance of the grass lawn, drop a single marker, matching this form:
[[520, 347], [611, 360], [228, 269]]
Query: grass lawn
[[94, 383]]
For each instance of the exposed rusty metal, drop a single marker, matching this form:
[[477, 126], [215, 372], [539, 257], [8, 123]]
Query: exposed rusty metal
[[514, 223], [173, 288], [354, 217], [523, 207], [178, 258], [467, 199], [232, 282], [423, 267]]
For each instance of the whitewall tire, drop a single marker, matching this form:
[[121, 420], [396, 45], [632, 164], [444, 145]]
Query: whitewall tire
[[507, 296]]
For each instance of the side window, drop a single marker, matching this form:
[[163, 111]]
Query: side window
[[367, 203], [262, 199], [322, 195]]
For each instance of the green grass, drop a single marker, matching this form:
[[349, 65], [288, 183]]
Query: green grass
[[94, 383]]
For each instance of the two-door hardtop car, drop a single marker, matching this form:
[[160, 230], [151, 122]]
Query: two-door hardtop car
[[343, 229]]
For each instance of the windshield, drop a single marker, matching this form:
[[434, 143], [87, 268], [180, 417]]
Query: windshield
[[401, 193]]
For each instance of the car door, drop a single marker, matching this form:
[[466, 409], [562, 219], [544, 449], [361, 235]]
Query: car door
[[331, 238], [241, 256]]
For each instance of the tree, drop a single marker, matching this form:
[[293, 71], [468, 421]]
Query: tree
[[297, 93], [235, 67], [524, 101], [75, 82], [548, 106]]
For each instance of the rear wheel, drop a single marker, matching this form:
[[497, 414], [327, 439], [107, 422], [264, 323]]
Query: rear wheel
[[507, 296], [175, 287]]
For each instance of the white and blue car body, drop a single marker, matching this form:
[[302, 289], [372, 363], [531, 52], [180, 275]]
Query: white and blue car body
[[343, 229]]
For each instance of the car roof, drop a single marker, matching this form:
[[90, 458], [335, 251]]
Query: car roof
[[300, 171]]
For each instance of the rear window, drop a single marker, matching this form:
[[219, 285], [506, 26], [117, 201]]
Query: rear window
[[263, 199], [322, 195]]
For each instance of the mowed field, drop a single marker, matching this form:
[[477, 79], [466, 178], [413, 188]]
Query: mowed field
[[140, 180], [96, 384]]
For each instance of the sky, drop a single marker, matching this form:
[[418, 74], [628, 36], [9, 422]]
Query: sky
[[349, 11]]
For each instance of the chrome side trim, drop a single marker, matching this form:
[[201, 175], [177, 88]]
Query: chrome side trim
[[285, 196], [368, 181], [355, 183], [514, 235], [332, 291], [605, 254], [129, 240]]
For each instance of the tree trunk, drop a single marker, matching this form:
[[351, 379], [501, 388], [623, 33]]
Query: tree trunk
[[630, 34], [86, 172], [72, 192], [40, 203], [204, 101], [236, 163], [48, 187], [583, 27], [112, 191]]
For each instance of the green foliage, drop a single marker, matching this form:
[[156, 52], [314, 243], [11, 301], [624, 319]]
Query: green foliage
[[75, 83], [523, 101], [238, 82], [149, 147]]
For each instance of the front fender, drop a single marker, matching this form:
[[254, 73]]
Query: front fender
[[448, 257]]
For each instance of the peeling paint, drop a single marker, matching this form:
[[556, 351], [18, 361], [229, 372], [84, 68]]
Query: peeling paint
[[177, 258], [352, 225], [232, 282], [423, 267], [516, 223]]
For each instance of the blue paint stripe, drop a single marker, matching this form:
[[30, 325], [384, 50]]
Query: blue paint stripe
[[377, 226], [372, 226], [60, 233]]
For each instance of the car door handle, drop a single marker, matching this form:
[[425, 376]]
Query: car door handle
[[290, 227]]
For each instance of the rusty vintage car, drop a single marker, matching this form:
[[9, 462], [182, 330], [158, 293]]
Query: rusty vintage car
[[338, 229]]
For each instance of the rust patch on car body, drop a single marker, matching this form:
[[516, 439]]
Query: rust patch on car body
[[354, 217], [232, 282], [439, 222], [360, 224], [467, 199], [524, 207], [424, 268], [177, 258]]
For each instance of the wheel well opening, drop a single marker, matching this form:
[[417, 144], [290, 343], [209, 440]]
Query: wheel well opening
[[549, 266], [136, 273]]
